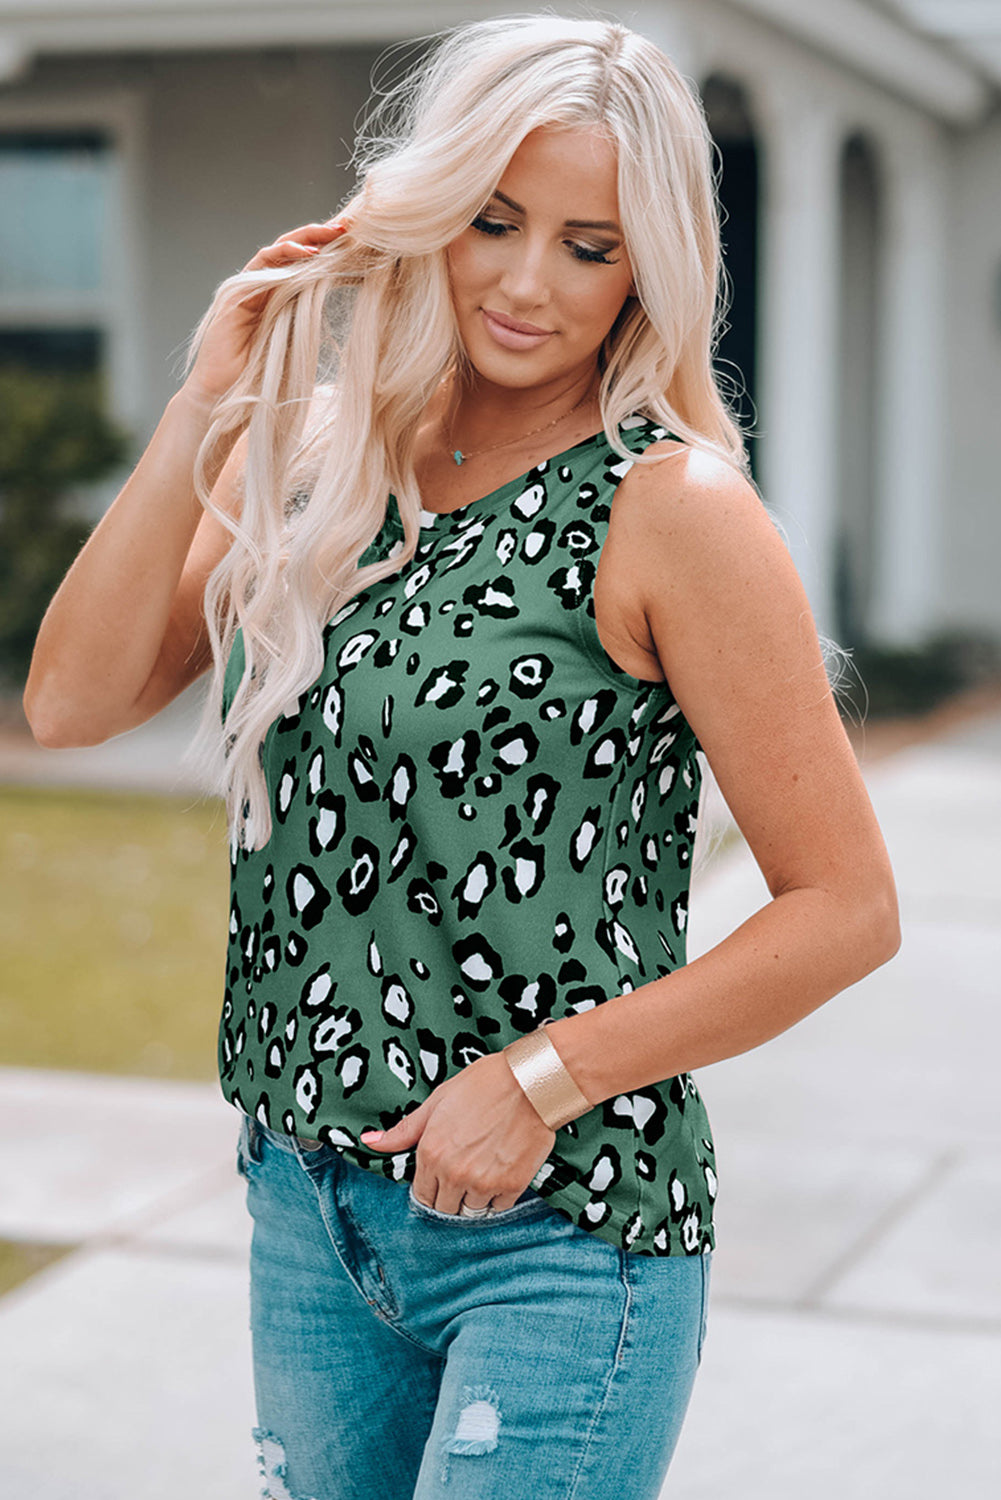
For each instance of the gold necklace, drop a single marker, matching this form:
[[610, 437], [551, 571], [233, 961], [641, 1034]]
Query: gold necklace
[[461, 457]]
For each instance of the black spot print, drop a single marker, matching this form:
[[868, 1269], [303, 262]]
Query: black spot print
[[480, 825]]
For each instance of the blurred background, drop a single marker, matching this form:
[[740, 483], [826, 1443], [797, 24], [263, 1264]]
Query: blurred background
[[147, 149]]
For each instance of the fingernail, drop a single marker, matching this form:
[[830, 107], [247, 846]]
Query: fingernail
[[371, 1135]]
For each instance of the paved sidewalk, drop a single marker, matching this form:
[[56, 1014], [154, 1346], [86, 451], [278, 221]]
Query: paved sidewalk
[[854, 1346]]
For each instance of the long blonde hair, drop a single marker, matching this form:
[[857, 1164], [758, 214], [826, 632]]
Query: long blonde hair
[[368, 323]]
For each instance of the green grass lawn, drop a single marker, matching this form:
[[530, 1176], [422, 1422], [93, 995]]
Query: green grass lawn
[[112, 930]]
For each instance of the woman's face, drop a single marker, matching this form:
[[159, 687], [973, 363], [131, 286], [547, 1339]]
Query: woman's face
[[547, 252]]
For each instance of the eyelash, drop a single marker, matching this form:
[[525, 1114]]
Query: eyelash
[[580, 252]]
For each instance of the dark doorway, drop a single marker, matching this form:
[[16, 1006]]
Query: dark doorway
[[858, 384], [732, 127]]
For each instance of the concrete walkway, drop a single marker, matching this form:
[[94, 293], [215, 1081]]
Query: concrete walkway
[[854, 1346]]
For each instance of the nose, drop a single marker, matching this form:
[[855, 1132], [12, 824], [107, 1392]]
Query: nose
[[525, 282]]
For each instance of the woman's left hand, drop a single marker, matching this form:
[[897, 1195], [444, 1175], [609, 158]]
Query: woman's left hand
[[478, 1139]]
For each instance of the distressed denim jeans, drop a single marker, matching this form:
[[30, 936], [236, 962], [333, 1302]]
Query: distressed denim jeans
[[401, 1353]]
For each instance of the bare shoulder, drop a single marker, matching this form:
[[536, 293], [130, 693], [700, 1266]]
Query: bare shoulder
[[689, 494], [696, 529], [710, 578]]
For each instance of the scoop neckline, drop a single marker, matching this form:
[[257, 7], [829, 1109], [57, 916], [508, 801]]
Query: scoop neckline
[[510, 484]]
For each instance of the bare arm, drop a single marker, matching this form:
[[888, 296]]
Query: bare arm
[[125, 632], [733, 631]]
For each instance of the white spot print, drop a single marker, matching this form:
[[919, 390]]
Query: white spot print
[[662, 746], [361, 769], [600, 1179], [505, 547], [416, 581], [350, 1072], [665, 780], [533, 544], [374, 957], [690, 1232], [615, 885], [526, 875], [584, 840], [710, 1180], [636, 1107], [354, 649], [316, 772], [586, 715], [492, 599], [291, 1027], [474, 887], [303, 891], [360, 874], [306, 1090], [605, 751], [514, 753], [285, 789], [476, 969], [397, 1004], [528, 1000], [638, 801], [530, 502], [430, 1063], [677, 1190], [417, 617], [399, 1063], [331, 1034], [326, 827], [624, 942], [442, 684], [349, 609], [318, 990], [333, 708], [680, 916], [529, 671], [401, 785]]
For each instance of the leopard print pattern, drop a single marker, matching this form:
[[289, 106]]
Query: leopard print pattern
[[481, 823]]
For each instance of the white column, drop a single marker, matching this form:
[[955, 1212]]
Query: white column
[[670, 26], [798, 332], [912, 420]]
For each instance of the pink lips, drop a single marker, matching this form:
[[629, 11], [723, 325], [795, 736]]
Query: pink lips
[[512, 334]]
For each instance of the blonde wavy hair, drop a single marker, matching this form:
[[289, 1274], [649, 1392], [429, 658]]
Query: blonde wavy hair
[[359, 337]]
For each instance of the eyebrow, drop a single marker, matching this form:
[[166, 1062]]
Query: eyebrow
[[567, 223]]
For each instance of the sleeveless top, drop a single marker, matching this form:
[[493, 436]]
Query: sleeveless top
[[480, 823]]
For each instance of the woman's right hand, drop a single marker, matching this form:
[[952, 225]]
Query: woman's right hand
[[226, 344]]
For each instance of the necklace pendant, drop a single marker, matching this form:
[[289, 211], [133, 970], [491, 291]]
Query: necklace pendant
[[458, 456]]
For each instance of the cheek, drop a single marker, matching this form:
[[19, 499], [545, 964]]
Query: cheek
[[596, 309], [468, 264]]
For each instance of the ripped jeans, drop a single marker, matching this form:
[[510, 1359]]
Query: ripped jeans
[[401, 1353]]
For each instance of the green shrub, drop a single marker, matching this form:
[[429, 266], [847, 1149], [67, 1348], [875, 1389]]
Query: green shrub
[[907, 680], [53, 434]]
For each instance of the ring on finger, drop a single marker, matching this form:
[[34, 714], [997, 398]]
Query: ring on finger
[[469, 1212]]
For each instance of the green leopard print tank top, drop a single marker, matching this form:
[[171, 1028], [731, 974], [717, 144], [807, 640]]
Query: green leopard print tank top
[[480, 822]]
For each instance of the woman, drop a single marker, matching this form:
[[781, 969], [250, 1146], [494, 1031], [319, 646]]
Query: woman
[[460, 764]]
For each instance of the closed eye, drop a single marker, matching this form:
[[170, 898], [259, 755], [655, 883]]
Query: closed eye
[[580, 252]]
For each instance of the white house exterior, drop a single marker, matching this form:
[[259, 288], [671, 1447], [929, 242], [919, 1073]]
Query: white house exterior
[[148, 147]]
